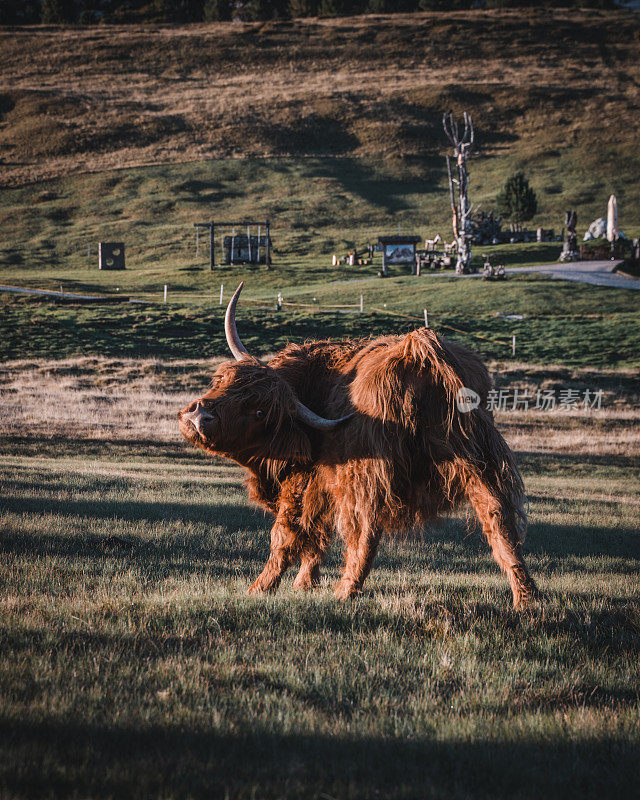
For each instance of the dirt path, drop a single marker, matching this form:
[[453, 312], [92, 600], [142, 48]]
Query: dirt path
[[598, 273], [66, 295]]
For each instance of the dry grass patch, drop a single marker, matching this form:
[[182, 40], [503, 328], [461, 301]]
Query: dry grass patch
[[133, 399]]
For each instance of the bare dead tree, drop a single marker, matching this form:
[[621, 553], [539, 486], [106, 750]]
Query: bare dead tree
[[460, 210]]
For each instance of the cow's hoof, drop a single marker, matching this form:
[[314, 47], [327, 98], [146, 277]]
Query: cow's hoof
[[529, 600], [345, 592], [305, 585]]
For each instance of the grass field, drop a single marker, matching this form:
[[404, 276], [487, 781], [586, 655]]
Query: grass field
[[556, 322], [134, 664]]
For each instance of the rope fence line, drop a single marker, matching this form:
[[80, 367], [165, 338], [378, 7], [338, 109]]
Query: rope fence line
[[477, 335], [259, 304], [356, 308], [396, 313]]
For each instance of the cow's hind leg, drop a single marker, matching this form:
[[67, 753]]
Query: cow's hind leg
[[309, 575], [361, 550], [316, 542], [283, 552], [500, 526]]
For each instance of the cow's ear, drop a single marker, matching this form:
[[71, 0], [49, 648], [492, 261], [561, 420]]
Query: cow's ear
[[290, 443]]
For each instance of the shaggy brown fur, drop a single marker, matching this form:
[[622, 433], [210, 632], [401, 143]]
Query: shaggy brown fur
[[404, 457]]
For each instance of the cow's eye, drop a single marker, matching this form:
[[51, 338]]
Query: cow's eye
[[259, 413]]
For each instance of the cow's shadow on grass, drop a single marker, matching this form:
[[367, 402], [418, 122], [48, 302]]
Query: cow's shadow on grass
[[57, 758], [543, 462], [59, 446], [191, 555], [229, 539], [231, 516]]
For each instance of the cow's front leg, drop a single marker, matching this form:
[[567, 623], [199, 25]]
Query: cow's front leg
[[282, 554], [361, 550]]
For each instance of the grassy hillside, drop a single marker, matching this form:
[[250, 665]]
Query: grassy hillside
[[332, 130], [540, 85], [317, 207]]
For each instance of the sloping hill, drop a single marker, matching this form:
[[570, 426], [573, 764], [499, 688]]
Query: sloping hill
[[538, 84]]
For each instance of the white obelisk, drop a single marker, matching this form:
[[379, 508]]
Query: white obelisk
[[612, 219]]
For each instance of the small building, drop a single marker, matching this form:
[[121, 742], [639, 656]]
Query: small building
[[243, 249], [399, 250]]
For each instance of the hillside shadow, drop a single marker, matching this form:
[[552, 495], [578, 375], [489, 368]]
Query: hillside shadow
[[200, 191], [421, 111], [383, 190], [103, 760], [310, 134]]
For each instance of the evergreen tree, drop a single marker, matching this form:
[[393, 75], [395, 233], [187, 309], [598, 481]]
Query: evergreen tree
[[330, 8], [517, 201], [378, 7]]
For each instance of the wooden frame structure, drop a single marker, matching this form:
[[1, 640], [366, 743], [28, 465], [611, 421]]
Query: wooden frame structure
[[212, 225]]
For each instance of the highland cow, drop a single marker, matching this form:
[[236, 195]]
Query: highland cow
[[361, 438]]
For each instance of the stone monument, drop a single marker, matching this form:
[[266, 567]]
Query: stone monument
[[570, 246]]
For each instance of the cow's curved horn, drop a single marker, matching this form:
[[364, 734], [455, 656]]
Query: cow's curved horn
[[240, 352], [319, 423], [231, 332]]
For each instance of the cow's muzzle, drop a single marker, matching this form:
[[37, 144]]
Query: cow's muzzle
[[198, 417]]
